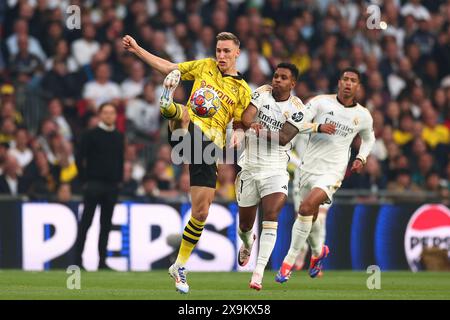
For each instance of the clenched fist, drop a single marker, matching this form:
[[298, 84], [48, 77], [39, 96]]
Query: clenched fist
[[130, 44]]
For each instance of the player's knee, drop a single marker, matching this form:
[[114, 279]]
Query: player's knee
[[200, 215], [201, 211], [308, 209], [271, 216], [245, 226]]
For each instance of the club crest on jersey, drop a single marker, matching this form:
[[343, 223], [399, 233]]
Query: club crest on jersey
[[356, 121], [235, 90], [255, 95], [297, 117]]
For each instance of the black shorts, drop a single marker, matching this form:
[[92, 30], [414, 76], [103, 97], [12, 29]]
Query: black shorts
[[202, 157]]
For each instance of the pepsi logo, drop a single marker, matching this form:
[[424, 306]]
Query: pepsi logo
[[428, 227]]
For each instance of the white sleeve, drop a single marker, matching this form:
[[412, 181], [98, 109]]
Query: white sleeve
[[257, 96], [367, 140], [300, 116]]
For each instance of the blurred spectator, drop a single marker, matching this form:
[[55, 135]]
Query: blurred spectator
[[8, 110], [53, 36], [424, 167], [47, 128], [372, 177], [415, 9], [59, 83], [433, 132], [149, 191], [7, 130], [165, 154], [41, 177], [184, 188], [101, 89], [164, 174], [55, 110], [129, 185], [62, 54], [134, 85], [64, 193], [10, 181], [379, 149], [25, 66], [402, 182], [250, 57], [204, 46], [432, 182], [401, 78], [143, 113], [21, 31], [131, 155], [256, 78], [7, 92], [84, 49], [418, 147], [404, 134], [20, 149], [392, 114], [61, 155], [301, 57]]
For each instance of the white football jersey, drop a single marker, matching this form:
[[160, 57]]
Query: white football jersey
[[259, 153], [330, 153]]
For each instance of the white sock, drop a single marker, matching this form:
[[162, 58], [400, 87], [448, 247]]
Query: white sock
[[266, 243], [246, 237], [300, 232], [317, 236], [302, 255], [323, 223]]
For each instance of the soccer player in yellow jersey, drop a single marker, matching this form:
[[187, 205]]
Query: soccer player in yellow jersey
[[221, 75]]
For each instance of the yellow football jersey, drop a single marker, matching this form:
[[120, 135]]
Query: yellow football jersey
[[233, 91]]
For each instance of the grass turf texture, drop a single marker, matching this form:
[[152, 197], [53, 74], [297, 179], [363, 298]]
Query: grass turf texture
[[222, 286]]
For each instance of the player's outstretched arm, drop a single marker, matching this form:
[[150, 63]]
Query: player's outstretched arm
[[248, 116], [289, 131], [160, 64]]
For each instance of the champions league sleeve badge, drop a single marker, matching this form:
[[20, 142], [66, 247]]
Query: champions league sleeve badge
[[297, 117]]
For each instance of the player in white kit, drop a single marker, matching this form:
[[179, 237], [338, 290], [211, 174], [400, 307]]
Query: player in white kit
[[264, 176], [325, 162], [300, 143]]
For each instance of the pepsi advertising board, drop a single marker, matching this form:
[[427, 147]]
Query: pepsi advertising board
[[429, 226], [41, 236]]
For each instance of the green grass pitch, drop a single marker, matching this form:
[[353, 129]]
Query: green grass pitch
[[156, 285]]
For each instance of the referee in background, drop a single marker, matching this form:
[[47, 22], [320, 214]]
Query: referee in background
[[100, 165]]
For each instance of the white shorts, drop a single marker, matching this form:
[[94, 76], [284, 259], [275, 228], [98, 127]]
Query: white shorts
[[250, 188], [304, 182]]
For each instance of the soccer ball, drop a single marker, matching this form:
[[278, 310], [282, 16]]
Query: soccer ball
[[205, 102]]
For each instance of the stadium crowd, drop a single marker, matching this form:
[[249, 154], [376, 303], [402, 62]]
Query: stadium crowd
[[52, 80]]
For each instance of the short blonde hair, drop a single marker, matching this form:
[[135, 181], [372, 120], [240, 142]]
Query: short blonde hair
[[228, 36]]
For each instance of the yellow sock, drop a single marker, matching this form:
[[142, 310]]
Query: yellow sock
[[172, 112], [191, 235]]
